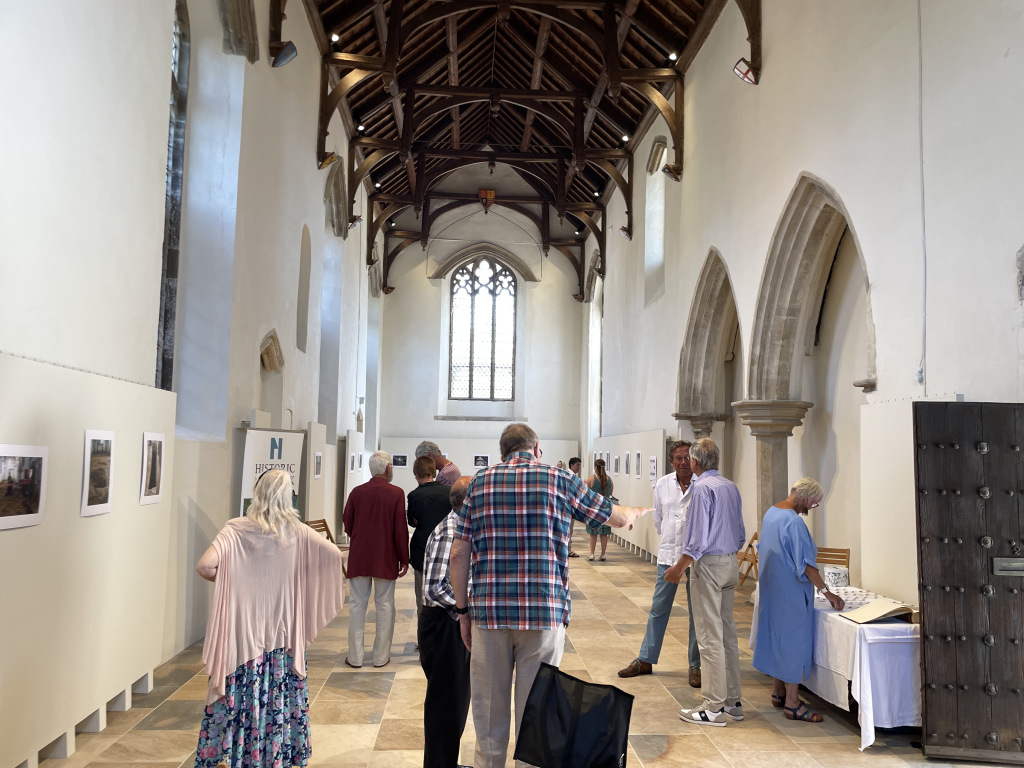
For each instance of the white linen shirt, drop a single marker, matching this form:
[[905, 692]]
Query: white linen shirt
[[671, 505]]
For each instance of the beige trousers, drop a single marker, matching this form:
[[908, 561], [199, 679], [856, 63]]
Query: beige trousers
[[713, 588], [496, 654]]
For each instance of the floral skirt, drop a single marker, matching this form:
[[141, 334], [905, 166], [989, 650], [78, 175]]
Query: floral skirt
[[601, 530], [262, 721]]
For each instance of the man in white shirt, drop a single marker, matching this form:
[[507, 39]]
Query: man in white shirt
[[671, 503]]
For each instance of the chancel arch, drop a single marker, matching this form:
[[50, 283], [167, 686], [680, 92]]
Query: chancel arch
[[786, 322], [711, 339]]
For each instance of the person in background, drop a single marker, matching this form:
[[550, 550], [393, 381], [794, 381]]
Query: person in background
[[443, 655], [447, 472], [277, 583], [378, 556], [671, 502], [600, 483], [788, 574], [428, 506], [575, 465], [714, 533]]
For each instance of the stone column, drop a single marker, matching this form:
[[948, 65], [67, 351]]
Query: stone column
[[772, 423]]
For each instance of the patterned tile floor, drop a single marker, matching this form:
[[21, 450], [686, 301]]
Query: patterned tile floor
[[373, 717]]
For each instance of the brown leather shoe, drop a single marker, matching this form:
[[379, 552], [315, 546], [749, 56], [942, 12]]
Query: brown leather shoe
[[695, 677], [636, 667]]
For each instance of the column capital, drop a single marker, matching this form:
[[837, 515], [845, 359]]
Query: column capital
[[701, 423], [772, 418]]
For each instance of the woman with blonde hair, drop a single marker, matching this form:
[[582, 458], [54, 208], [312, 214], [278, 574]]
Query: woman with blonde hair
[[601, 483], [787, 562], [277, 583]]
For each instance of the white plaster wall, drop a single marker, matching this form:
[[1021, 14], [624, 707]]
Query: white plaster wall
[[827, 446], [83, 147], [414, 341]]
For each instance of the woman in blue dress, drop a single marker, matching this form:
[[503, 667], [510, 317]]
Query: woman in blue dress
[[787, 563]]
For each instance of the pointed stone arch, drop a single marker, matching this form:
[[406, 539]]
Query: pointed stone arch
[[711, 333], [789, 302], [792, 289]]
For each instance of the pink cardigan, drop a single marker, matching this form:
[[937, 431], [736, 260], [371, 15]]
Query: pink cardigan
[[268, 594]]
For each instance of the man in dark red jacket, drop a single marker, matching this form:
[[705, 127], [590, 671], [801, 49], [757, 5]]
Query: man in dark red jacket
[[379, 555]]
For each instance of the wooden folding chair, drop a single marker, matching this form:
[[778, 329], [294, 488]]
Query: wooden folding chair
[[748, 556], [320, 526], [833, 556]]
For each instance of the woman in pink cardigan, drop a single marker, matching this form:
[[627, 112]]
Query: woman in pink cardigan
[[276, 584]]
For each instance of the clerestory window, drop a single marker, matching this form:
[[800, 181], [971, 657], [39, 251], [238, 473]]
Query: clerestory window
[[483, 331]]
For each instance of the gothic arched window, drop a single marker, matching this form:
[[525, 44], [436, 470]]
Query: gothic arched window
[[483, 331]]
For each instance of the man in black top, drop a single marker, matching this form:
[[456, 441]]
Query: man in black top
[[428, 505]]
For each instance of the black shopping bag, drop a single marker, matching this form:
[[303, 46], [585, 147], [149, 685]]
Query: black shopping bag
[[569, 723]]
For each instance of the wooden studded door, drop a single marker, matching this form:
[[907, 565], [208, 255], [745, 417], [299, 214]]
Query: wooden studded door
[[970, 519]]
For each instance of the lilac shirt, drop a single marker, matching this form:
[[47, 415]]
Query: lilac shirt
[[715, 521]]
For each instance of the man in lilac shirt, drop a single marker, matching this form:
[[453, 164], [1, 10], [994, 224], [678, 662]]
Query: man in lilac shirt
[[714, 533]]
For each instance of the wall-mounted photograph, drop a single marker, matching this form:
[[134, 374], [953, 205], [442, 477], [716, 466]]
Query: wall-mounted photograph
[[481, 460], [351, 462], [628, 454], [400, 460], [152, 468], [318, 465], [616, 470], [22, 485], [97, 472], [638, 465]]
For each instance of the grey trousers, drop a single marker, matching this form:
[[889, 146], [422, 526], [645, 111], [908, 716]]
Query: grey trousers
[[713, 589], [384, 600], [496, 654]]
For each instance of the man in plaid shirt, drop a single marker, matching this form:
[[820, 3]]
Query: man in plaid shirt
[[513, 536], [443, 656]]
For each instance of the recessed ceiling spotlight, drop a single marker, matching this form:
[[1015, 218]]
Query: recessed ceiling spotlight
[[625, 137], [376, 184], [335, 38], [577, 231], [597, 194], [673, 56], [394, 224], [360, 127]]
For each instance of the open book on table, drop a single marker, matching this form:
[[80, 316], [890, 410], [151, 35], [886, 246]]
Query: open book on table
[[876, 610]]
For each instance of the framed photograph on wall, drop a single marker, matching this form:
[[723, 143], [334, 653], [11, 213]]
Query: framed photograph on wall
[[638, 459], [400, 460], [481, 460], [22, 485], [152, 487], [351, 462], [318, 465], [653, 470], [626, 471], [360, 459], [98, 469], [616, 465]]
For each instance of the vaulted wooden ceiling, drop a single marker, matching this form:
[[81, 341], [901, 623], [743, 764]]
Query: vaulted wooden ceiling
[[560, 90]]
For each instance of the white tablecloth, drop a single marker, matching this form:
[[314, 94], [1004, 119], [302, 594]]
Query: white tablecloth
[[881, 661]]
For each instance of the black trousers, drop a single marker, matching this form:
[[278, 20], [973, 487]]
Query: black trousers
[[445, 662]]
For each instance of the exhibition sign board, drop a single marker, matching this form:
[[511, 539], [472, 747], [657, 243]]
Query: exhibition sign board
[[270, 449]]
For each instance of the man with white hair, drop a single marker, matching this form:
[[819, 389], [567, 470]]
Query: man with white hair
[[379, 555], [447, 472], [714, 533]]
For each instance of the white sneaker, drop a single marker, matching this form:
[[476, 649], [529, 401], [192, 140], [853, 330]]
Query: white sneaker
[[591, 557], [701, 716], [736, 713]]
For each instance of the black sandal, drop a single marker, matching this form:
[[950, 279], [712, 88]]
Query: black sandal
[[792, 713], [779, 701]]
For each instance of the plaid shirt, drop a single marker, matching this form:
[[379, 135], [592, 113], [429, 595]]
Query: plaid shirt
[[437, 587], [516, 517]]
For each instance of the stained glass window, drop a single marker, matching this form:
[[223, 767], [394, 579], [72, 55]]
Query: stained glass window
[[483, 332]]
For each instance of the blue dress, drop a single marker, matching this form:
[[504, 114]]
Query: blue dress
[[785, 620]]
